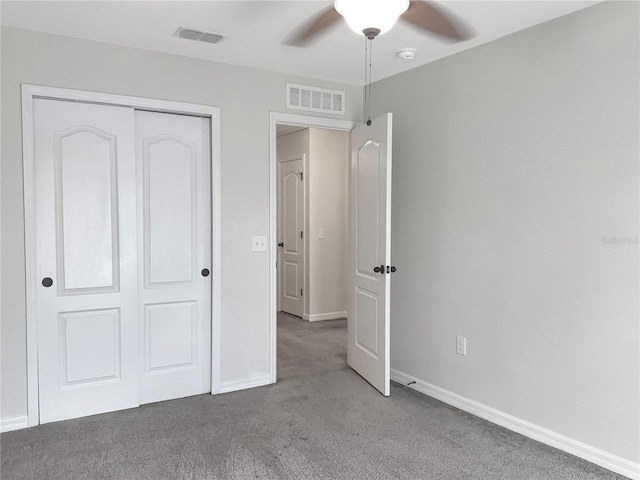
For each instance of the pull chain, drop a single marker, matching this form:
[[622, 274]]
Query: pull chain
[[370, 78], [367, 80], [364, 89]]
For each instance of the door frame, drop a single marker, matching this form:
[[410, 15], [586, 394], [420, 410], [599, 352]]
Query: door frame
[[29, 94], [305, 121]]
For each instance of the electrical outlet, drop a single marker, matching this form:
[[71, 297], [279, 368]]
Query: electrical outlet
[[461, 345]]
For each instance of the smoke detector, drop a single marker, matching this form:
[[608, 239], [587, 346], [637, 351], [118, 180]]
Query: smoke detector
[[406, 53], [199, 36]]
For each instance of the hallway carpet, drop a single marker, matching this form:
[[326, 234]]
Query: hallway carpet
[[320, 421]]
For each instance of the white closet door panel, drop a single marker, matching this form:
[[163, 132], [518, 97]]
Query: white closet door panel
[[86, 246], [171, 335], [170, 223], [90, 346], [87, 189], [174, 246]]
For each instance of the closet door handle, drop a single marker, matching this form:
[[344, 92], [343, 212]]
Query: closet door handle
[[281, 244], [47, 282], [205, 272], [378, 269]]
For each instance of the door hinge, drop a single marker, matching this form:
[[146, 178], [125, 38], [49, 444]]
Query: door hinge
[[301, 175], [301, 236], [300, 292]]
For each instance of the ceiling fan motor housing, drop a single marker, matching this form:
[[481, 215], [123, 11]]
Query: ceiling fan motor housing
[[371, 33]]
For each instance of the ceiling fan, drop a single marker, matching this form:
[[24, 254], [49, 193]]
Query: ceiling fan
[[374, 17]]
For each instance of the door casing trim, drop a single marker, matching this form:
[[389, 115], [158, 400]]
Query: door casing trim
[[29, 94], [304, 121]]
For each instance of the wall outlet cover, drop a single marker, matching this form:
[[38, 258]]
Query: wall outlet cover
[[461, 345]]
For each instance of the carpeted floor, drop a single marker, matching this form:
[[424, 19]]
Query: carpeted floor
[[320, 421]]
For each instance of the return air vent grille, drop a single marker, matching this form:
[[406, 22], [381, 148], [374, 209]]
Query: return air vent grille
[[302, 97], [191, 34]]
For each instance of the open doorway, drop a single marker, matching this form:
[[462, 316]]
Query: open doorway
[[368, 263], [312, 238]]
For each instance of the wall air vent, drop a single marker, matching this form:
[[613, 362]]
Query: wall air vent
[[200, 36], [314, 99]]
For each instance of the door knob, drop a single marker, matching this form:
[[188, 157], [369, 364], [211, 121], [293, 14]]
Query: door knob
[[379, 269], [47, 282], [281, 244], [391, 269], [205, 272]]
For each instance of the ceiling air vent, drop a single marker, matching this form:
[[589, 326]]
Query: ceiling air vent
[[314, 99], [191, 34], [211, 38]]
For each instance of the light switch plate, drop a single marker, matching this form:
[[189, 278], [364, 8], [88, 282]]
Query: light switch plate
[[259, 244]]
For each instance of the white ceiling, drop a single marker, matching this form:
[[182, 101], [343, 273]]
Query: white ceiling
[[257, 30]]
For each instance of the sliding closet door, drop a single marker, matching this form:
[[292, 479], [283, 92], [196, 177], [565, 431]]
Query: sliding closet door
[[85, 246], [174, 254]]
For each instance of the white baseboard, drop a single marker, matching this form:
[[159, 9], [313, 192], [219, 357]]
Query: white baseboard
[[13, 423], [244, 383], [587, 452], [317, 317]]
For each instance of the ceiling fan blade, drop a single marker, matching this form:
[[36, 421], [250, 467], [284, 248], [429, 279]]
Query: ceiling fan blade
[[310, 30], [426, 16]]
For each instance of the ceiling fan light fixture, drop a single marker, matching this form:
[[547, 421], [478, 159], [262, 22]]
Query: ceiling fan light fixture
[[371, 14]]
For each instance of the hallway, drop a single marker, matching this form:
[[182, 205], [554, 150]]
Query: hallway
[[305, 348]]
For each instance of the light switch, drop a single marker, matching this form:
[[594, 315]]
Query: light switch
[[259, 244], [321, 233]]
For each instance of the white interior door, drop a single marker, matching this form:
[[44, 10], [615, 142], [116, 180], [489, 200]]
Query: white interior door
[[370, 252], [174, 238], [291, 214], [86, 259]]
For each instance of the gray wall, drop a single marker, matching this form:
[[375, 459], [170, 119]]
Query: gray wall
[[327, 208], [245, 97], [514, 163]]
